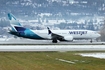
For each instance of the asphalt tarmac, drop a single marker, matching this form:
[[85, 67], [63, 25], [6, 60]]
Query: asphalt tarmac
[[61, 48], [23, 45], [47, 42]]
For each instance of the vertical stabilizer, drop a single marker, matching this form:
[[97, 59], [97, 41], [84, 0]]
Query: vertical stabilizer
[[13, 22]]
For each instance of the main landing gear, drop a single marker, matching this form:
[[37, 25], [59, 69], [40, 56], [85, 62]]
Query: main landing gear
[[91, 41], [54, 41]]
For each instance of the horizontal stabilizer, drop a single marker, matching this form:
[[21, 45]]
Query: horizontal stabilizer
[[20, 29]]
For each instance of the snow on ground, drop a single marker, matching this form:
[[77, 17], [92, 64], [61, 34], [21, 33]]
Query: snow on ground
[[96, 55]]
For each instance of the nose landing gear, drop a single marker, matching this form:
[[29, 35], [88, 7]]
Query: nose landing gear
[[91, 41]]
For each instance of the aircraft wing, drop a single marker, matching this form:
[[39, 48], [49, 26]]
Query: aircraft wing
[[56, 37]]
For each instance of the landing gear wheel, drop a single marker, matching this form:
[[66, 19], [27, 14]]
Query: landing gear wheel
[[54, 41], [15, 36], [91, 41]]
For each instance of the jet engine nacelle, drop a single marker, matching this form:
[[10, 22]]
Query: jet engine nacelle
[[68, 38]]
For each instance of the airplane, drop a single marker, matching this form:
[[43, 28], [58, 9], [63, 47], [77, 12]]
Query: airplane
[[55, 35]]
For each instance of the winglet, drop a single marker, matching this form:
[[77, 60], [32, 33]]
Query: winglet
[[49, 31]]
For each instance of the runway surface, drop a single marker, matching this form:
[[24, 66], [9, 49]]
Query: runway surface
[[14, 45], [61, 48], [47, 42]]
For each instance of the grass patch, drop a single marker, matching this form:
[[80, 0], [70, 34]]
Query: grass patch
[[48, 61]]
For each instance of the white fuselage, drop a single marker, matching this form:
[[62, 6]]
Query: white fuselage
[[76, 34], [61, 35]]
